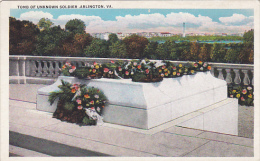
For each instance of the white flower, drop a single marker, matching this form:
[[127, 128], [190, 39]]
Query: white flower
[[71, 70], [98, 109], [96, 96], [135, 63], [201, 68], [92, 66], [205, 64]]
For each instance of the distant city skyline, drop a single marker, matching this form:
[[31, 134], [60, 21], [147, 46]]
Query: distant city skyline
[[147, 20]]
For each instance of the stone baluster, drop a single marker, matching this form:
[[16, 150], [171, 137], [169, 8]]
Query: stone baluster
[[237, 79], [252, 82], [246, 80], [228, 77], [45, 69], [39, 69], [33, 68], [56, 69], [51, 69], [220, 74]]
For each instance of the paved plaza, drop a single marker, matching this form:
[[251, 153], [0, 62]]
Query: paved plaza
[[36, 133]]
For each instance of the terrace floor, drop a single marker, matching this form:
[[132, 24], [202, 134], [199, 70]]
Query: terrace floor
[[36, 133]]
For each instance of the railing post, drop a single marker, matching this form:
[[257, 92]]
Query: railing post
[[51, 69], [45, 69], [57, 69], [237, 79], [39, 69], [246, 80], [33, 68], [220, 74], [228, 77]]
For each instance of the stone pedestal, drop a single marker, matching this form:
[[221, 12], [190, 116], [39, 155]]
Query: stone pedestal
[[146, 105]]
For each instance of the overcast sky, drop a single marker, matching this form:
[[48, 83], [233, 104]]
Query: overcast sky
[[147, 20]]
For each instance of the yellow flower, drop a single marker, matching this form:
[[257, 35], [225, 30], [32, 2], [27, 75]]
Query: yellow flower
[[160, 70], [180, 65], [238, 95], [86, 96], [165, 70], [250, 95], [200, 62], [180, 70], [97, 101], [174, 73], [96, 66], [192, 71], [234, 91]]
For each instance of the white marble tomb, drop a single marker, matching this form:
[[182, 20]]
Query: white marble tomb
[[147, 105]]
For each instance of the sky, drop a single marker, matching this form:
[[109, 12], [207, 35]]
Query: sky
[[147, 20]]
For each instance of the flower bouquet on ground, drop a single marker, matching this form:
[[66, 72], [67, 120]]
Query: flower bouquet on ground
[[145, 71], [244, 94], [68, 69], [78, 103], [201, 66]]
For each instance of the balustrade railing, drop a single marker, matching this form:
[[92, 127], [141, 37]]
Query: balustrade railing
[[49, 67]]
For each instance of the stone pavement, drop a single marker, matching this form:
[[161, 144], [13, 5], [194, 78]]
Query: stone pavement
[[37, 133]]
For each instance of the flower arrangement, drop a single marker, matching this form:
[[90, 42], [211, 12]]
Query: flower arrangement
[[68, 69], [145, 71], [201, 66], [244, 94], [78, 103]]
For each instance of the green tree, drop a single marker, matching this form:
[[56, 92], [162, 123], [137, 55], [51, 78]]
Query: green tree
[[118, 50], [97, 48], [80, 41], [22, 37], [50, 42], [135, 46], [75, 26], [249, 36], [167, 51], [112, 38], [44, 24], [150, 50], [194, 51], [204, 54], [244, 54], [232, 56], [217, 52]]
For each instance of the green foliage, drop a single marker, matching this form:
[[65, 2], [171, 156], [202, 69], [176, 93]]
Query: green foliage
[[112, 38], [232, 56], [22, 37], [69, 106], [97, 48], [249, 36], [44, 24], [118, 50], [150, 50], [139, 77], [75, 26], [82, 72], [218, 52]]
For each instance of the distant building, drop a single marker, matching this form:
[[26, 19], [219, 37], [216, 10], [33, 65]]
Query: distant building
[[165, 34], [183, 30]]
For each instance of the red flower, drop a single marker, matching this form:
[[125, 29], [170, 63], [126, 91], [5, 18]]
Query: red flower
[[242, 99], [120, 69], [92, 108], [126, 72], [95, 63], [139, 66], [73, 67], [79, 107], [174, 68], [106, 70], [112, 62], [147, 71]]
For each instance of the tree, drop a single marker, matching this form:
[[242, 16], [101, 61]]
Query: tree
[[249, 36], [135, 46], [80, 41], [150, 50], [244, 54], [167, 50], [232, 56], [204, 53], [217, 52], [75, 26], [194, 51], [112, 38], [118, 50], [22, 37], [50, 42], [44, 24], [97, 48]]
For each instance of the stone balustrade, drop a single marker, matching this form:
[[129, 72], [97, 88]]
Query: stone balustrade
[[49, 67]]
